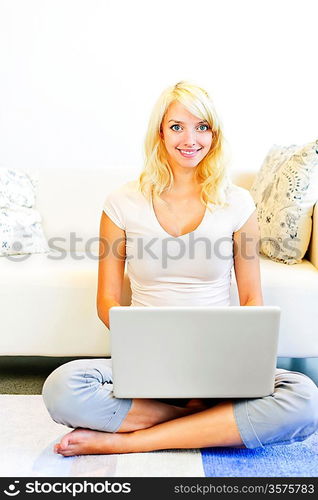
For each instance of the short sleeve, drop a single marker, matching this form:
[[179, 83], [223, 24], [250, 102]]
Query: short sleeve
[[245, 206], [113, 207]]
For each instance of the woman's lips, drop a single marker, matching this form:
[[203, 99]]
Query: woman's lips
[[188, 153]]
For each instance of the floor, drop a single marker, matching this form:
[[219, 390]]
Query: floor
[[30, 453], [26, 375]]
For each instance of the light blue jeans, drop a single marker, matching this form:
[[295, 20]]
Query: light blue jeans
[[79, 394]]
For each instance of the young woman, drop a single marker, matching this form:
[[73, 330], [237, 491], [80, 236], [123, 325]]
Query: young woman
[[183, 191]]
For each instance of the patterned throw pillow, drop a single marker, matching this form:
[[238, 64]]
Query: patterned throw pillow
[[285, 191], [20, 223]]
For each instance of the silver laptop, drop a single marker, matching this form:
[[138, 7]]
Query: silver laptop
[[194, 352]]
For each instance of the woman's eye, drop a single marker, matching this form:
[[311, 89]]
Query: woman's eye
[[205, 127]]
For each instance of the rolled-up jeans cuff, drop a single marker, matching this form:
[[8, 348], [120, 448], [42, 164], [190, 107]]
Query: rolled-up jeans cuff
[[119, 416], [245, 426]]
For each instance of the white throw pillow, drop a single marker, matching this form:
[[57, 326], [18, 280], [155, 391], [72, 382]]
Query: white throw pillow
[[20, 223], [285, 191]]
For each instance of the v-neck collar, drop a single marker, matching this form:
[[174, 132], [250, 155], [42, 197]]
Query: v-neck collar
[[166, 232]]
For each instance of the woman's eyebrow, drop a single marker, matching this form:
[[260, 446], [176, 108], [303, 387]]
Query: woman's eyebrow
[[178, 121]]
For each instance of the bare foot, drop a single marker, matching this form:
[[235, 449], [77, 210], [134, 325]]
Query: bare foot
[[89, 442]]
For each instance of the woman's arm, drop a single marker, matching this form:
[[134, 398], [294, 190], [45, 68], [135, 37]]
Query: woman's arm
[[112, 255], [246, 263]]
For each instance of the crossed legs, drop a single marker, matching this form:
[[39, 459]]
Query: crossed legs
[[151, 425], [79, 395]]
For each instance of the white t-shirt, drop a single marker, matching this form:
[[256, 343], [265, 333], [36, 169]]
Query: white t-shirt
[[189, 270]]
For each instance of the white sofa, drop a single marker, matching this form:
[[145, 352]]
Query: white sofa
[[48, 301]]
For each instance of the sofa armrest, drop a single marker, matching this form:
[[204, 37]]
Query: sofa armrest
[[313, 245]]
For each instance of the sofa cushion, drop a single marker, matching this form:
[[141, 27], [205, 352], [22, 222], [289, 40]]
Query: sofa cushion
[[285, 191], [295, 290], [20, 222], [17, 188]]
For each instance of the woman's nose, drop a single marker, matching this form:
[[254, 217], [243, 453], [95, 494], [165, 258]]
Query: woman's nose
[[189, 138]]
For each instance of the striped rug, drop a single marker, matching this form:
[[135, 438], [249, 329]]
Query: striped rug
[[28, 434]]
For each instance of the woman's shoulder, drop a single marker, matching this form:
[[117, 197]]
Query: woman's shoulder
[[122, 203], [241, 205]]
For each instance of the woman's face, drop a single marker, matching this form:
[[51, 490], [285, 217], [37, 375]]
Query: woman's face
[[187, 138]]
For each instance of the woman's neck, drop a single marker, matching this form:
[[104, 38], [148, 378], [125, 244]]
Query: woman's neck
[[184, 179], [185, 189]]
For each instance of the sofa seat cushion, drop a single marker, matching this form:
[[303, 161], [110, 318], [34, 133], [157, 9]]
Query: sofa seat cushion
[[48, 269], [53, 304], [295, 290], [48, 308]]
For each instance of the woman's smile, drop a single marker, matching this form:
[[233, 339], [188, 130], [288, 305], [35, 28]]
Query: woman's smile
[[188, 153]]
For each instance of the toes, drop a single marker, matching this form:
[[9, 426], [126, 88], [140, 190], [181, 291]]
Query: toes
[[67, 439], [67, 451], [59, 448], [65, 445], [71, 450]]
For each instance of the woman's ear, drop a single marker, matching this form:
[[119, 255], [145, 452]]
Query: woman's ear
[[161, 133]]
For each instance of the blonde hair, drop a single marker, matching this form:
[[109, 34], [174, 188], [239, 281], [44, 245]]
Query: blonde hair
[[211, 173]]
